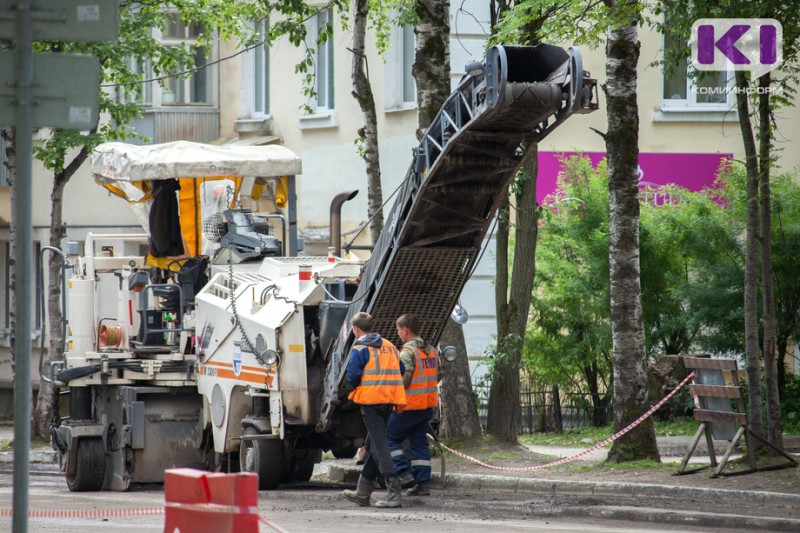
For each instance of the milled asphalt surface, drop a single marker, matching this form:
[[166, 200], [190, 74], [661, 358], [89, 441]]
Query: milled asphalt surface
[[661, 497]]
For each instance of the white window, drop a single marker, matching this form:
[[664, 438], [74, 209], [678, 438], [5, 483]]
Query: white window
[[401, 88], [691, 95], [140, 93], [261, 74], [322, 114], [323, 62], [196, 88]]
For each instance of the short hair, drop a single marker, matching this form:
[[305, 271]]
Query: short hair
[[363, 321], [409, 322]]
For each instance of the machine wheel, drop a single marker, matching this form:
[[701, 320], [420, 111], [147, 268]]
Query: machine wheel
[[345, 453], [303, 461], [263, 457], [90, 466]]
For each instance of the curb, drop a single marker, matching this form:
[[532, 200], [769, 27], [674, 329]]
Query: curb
[[586, 488], [654, 515]]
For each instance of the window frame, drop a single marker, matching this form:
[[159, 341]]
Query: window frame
[[186, 86], [261, 74], [399, 70], [325, 100], [690, 103]]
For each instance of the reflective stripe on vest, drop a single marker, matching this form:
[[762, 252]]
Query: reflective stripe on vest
[[423, 391], [381, 381]]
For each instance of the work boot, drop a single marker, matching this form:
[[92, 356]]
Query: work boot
[[420, 489], [393, 489], [362, 493], [406, 479]]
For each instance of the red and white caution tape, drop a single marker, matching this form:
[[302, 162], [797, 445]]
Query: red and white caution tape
[[121, 513], [583, 453], [84, 513]]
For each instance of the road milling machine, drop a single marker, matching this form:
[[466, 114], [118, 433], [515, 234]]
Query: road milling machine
[[209, 340]]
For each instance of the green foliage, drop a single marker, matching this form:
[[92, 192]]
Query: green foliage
[[691, 255], [563, 21], [385, 15], [790, 406], [692, 270], [570, 327]]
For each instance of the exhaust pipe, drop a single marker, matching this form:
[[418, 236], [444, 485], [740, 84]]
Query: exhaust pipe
[[336, 219]]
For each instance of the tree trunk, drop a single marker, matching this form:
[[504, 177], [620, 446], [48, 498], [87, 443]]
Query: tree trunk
[[362, 92], [774, 429], [431, 71], [753, 364], [783, 345], [513, 304], [459, 410], [558, 419], [46, 406], [627, 328], [431, 68]]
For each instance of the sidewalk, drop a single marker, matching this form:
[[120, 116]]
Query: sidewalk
[[39, 452]]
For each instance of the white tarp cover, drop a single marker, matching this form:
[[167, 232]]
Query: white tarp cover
[[117, 161]]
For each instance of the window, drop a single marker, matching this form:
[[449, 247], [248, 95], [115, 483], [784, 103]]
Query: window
[[5, 289], [322, 107], [401, 88], [261, 74], [196, 88], [141, 93], [706, 94], [323, 62]]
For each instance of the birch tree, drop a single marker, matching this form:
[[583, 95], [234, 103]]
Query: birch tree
[[431, 70]]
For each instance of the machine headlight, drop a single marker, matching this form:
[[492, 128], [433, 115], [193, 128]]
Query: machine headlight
[[449, 353], [270, 357]]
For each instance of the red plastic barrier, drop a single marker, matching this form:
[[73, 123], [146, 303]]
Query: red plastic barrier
[[204, 502]]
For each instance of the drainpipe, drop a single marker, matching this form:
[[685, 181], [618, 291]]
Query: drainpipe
[[336, 219]]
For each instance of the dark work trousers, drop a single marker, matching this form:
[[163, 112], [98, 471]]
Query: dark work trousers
[[414, 426], [377, 456]]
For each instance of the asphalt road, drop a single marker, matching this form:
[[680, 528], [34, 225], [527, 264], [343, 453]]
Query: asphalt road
[[316, 507]]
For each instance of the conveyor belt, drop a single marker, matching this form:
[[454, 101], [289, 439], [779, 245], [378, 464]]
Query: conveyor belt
[[459, 174]]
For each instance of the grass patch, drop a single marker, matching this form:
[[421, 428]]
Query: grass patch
[[587, 436], [644, 464]]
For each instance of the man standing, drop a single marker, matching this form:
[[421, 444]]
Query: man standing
[[420, 378], [377, 375]]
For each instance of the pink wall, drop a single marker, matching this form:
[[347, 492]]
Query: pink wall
[[690, 171]]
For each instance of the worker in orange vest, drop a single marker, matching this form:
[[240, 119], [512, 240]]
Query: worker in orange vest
[[376, 373], [420, 378]]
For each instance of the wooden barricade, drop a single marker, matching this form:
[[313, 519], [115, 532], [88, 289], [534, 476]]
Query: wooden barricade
[[738, 416]]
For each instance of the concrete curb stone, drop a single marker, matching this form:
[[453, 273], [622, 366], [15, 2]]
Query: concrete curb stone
[[586, 488], [648, 492]]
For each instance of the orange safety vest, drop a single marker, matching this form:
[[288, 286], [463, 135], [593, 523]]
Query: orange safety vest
[[381, 381], [423, 391]]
